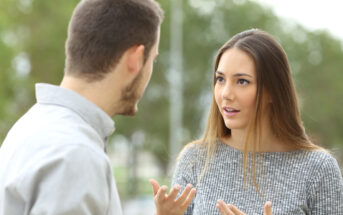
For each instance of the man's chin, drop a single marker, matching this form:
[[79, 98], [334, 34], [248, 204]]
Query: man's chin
[[129, 111]]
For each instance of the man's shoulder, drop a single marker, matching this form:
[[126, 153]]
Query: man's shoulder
[[48, 134], [50, 124], [35, 157]]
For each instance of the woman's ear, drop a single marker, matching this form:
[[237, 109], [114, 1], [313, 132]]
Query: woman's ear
[[135, 58]]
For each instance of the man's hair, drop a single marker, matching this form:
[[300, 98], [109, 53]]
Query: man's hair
[[100, 31]]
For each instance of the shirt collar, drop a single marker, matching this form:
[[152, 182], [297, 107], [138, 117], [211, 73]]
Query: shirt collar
[[91, 113]]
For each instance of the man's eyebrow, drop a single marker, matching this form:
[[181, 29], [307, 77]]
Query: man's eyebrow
[[219, 72]]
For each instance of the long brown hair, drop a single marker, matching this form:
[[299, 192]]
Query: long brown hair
[[274, 78]]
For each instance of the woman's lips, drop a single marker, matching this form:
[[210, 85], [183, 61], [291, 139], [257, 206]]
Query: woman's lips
[[228, 111]]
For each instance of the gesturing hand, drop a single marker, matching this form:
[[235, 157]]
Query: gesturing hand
[[232, 210], [168, 204]]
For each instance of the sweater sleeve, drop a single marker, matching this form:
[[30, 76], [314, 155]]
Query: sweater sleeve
[[185, 172], [327, 189]]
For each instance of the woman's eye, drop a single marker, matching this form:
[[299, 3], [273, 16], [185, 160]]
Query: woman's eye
[[219, 79], [243, 82]]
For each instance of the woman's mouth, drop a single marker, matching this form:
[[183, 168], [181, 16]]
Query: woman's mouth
[[228, 111]]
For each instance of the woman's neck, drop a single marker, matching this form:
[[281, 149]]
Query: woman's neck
[[268, 141]]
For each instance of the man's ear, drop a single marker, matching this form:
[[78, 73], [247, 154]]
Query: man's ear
[[135, 58]]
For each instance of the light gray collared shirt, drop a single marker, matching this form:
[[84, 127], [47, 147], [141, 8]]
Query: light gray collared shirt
[[53, 161]]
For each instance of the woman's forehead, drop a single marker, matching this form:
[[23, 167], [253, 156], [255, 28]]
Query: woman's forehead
[[235, 61]]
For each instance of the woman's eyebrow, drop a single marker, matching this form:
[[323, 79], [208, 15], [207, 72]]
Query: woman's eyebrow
[[241, 74], [234, 75]]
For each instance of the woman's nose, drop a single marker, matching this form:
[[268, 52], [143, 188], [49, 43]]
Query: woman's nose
[[227, 92]]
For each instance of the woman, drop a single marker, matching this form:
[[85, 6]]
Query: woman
[[255, 149]]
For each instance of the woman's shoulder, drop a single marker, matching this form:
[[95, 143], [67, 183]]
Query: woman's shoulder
[[192, 150], [326, 182], [319, 157], [322, 162]]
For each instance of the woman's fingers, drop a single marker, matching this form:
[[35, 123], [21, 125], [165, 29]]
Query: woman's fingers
[[189, 199], [168, 204], [228, 209], [232, 210], [173, 193], [184, 194], [161, 194], [268, 209], [235, 210], [155, 186], [223, 208], [185, 197]]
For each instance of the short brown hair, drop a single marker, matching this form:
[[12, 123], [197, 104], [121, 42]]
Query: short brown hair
[[100, 31]]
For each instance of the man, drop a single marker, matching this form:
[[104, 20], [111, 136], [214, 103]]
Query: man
[[53, 159]]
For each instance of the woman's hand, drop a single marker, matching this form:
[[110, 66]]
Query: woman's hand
[[232, 210], [168, 204]]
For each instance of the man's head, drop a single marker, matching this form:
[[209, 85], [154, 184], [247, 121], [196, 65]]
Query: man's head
[[116, 42], [100, 31], [131, 93]]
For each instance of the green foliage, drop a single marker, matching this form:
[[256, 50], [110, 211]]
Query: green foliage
[[143, 185], [38, 31], [35, 31]]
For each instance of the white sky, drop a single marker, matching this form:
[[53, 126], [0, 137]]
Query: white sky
[[312, 14]]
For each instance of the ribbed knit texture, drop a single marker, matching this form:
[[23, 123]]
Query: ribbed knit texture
[[297, 182]]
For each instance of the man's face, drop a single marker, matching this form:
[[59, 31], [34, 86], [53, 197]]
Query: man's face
[[134, 91]]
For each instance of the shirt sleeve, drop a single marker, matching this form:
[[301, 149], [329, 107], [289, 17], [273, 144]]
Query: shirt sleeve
[[185, 173], [327, 189], [69, 181]]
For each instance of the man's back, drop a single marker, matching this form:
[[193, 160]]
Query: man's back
[[53, 159], [54, 156]]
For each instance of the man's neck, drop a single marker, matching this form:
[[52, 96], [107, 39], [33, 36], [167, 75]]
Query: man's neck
[[97, 92]]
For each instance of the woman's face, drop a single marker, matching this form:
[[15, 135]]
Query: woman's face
[[235, 88]]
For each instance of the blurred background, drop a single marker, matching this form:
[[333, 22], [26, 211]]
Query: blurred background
[[174, 108]]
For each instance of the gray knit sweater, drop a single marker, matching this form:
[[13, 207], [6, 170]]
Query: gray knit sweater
[[297, 182]]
